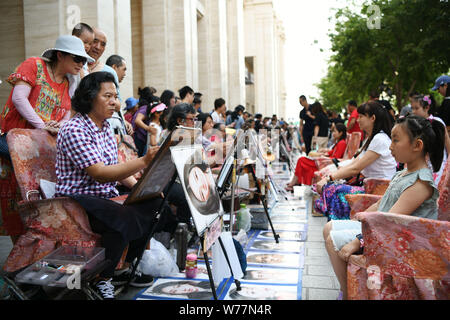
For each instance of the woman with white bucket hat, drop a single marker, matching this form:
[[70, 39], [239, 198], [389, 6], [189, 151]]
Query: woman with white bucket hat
[[39, 99], [40, 94]]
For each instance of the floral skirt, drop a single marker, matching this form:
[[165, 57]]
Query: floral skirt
[[332, 202]]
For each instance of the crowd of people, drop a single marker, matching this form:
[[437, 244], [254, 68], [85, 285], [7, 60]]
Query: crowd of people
[[72, 94]]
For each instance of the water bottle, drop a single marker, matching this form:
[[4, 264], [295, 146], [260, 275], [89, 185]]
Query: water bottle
[[181, 244], [243, 218]]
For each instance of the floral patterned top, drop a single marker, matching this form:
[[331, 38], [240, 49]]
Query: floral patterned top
[[50, 100]]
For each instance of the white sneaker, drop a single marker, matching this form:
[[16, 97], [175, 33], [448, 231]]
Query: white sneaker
[[105, 289]]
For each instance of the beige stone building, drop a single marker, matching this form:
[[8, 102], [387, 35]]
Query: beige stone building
[[223, 48]]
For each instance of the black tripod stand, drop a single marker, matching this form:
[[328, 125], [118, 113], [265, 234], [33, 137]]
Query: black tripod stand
[[263, 200]]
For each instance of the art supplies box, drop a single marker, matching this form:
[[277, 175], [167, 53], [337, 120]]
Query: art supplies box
[[54, 269]]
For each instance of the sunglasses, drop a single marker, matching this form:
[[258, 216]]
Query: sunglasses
[[78, 59]]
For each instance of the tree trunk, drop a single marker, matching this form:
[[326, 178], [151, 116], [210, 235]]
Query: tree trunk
[[399, 96]]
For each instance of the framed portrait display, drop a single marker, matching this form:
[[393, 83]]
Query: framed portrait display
[[198, 185]]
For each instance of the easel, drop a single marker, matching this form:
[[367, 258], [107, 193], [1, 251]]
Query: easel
[[234, 169], [263, 200], [202, 241], [283, 148]]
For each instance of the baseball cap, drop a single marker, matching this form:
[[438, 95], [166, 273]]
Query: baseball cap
[[441, 81], [131, 103]]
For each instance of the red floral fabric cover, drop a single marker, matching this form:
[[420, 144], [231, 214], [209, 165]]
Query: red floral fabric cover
[[127, 151], [33, 154], [10, 223], [376, 186], [352, 141], [48, 223], [444, 194], [374, 190], [352, 145], [322, 162], [405, 258], [360, 202]]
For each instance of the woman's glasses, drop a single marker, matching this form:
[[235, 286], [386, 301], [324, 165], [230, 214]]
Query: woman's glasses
[[191, 119], [78, 59]]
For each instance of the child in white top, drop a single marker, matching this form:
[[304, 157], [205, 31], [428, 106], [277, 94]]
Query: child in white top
[[156, 123]]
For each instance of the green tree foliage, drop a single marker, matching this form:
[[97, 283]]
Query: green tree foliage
[[407, 53]]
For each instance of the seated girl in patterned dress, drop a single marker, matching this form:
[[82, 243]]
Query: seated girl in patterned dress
[[412, 191]]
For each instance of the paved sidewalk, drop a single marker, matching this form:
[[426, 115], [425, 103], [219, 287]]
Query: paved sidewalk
[[319, 281]]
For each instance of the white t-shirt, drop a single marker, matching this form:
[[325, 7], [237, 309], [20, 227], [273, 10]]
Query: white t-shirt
[[385, 166], [438, 175], [116, 123], [217, 118], [159, 130]]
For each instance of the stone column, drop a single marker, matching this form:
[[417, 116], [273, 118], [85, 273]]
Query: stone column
[[213, 54], [236, 53], [12, 50], [43, 23], [137, 45], [260, 44], [281, 40], [155, 44], [264, 64], [169, 44], [114, 18]]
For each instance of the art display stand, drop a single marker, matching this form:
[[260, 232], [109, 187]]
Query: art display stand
[[263, 196], [207, 235], [284, 151], [263, 200], [226, 186], [203, 244]]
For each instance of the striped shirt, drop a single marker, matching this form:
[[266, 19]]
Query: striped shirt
[[81, 144]]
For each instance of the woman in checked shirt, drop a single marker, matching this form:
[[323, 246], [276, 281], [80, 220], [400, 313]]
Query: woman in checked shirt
[[87, 170]]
